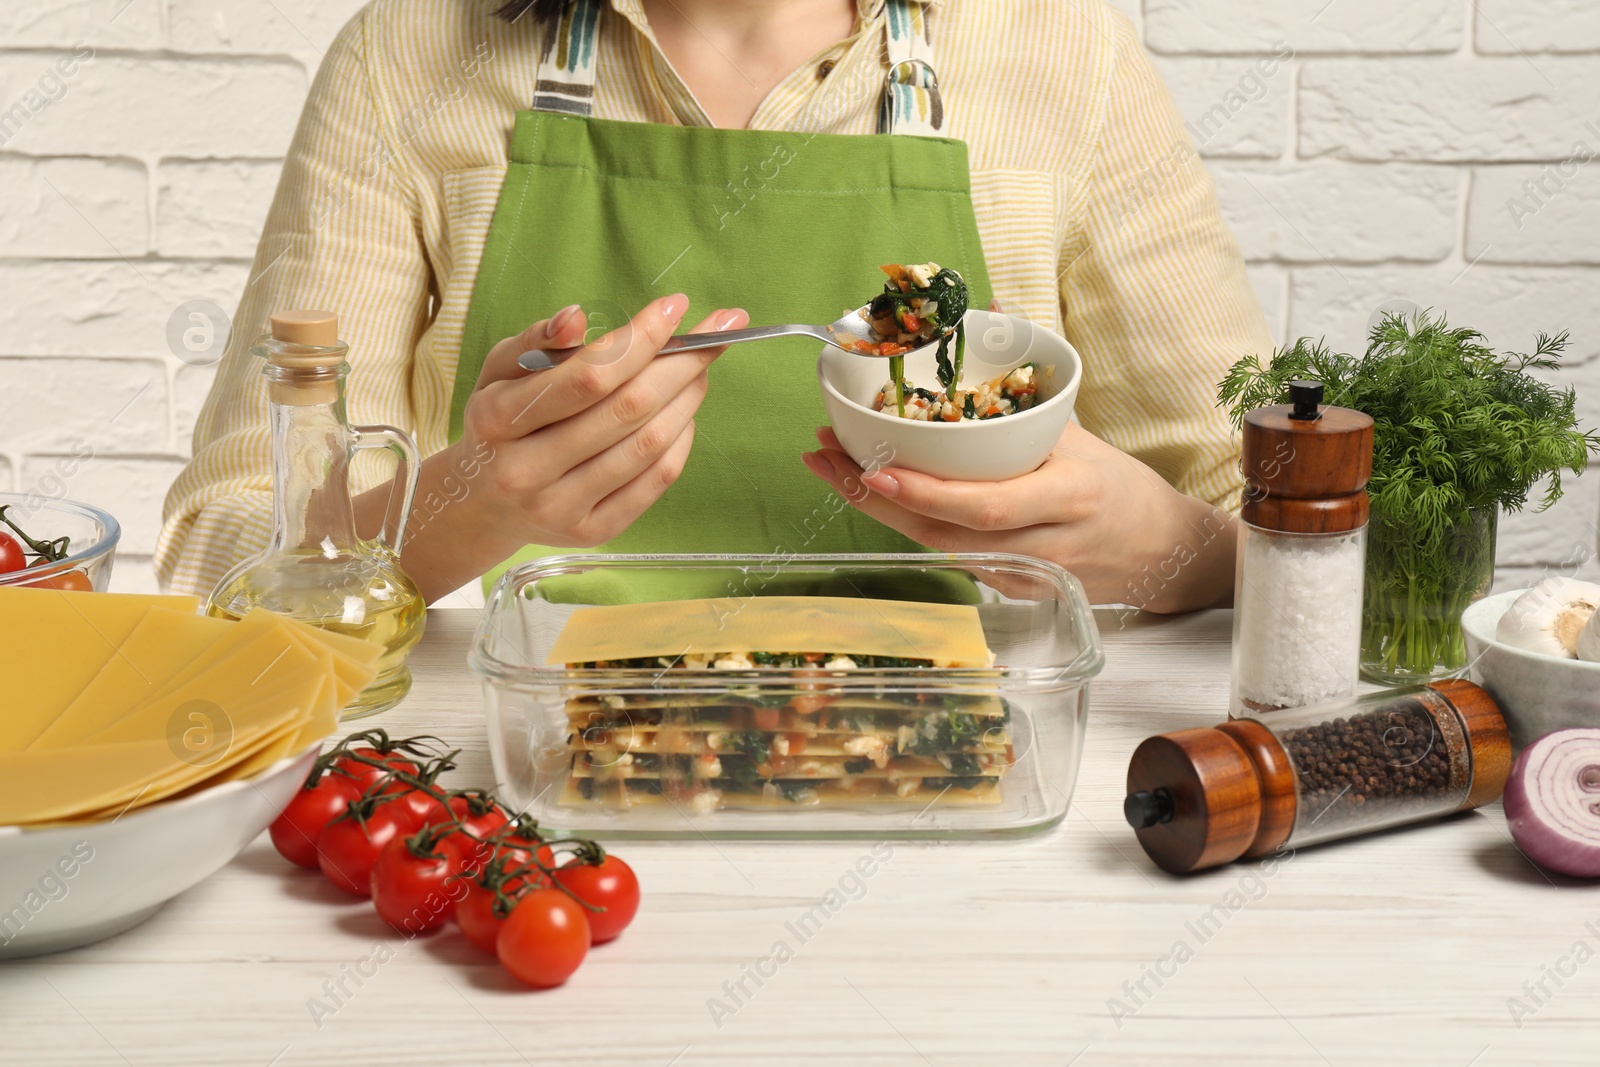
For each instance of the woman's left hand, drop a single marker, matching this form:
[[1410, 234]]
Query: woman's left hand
[[1127, 534]]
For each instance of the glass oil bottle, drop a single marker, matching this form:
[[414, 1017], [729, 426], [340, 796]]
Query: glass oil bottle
[[315, 568]]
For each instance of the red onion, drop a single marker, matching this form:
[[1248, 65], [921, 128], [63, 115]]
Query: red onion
[[1552, 801]]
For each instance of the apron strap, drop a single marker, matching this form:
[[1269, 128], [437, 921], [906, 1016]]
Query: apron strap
[[567, 59], [911, 103]]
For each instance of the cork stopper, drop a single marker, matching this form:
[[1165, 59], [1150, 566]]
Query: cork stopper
[[319, 329], [1488, 738], [1306, 465], [307, 352], [1194, 799]]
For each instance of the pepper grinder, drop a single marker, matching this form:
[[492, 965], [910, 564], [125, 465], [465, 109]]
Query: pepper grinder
[[1203, 798], [1297, 602]]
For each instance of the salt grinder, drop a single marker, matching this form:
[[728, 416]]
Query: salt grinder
[[1203, 798], [1297, 604]]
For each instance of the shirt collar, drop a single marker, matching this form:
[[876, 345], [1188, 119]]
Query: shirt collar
[[633, 10]]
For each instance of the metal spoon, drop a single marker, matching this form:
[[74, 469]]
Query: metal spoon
[[851, 326]]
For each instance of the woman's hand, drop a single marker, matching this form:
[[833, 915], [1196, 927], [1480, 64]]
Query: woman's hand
[[568, 456], [1119, 526]]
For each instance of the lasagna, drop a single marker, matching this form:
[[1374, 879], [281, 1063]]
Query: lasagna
[[763, 702]]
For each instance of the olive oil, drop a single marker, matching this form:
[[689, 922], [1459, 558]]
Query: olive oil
[[352, 595], [315, 568]]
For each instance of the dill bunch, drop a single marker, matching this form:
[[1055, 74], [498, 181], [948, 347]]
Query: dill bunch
[[1460, 433]]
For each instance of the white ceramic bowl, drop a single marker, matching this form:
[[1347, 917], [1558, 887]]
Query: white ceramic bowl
[[1537, 693], [989, 450], [61, 887]]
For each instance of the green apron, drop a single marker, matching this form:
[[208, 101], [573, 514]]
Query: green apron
[[791, 226]]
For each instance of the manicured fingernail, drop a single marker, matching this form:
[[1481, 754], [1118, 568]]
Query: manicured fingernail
[[560, 320], [882, 484], [673, 307], [732, 320]]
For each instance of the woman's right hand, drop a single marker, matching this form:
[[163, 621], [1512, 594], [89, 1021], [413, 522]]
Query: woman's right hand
[[568, 456]]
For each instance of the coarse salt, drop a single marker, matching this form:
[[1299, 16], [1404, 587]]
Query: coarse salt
[[1297, 619]]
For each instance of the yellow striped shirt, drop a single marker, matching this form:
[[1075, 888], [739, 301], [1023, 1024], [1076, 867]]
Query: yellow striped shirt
[[1097, 219]]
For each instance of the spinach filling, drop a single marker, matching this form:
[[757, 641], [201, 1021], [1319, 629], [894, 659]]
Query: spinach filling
[[795, 792], [739, 768], [752, 743], [945, 731], [965, 764], [899, 309]]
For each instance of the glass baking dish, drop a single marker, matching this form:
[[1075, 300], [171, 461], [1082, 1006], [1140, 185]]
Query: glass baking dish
[[546, 720]]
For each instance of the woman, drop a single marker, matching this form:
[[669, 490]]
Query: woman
[[754, 159]]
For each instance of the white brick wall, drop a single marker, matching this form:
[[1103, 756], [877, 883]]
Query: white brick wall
[[1364, 150]]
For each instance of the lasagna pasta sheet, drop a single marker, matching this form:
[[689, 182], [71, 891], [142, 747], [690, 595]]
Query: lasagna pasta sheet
[[950, 635]]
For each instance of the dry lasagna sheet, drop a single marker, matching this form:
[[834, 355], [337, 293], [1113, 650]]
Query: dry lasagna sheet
[[802, 744]]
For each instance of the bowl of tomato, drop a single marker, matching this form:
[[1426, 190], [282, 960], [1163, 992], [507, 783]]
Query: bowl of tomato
[[55, 544]]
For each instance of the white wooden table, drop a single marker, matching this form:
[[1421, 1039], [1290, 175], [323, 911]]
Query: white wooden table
[[1404, 949]]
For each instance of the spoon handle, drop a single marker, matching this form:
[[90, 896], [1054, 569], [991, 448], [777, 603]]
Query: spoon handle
[[690, 342]]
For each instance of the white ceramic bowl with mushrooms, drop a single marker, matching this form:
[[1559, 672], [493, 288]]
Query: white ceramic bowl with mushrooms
[[1522, 647]]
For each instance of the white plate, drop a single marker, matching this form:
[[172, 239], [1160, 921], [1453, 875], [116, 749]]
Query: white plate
[[61, 887]]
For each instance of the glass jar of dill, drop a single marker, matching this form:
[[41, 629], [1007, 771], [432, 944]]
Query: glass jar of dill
[[1411, 628]]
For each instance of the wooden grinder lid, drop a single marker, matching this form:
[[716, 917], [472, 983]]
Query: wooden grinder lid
[[1306, 465], [1194, 799], [1279, 798]]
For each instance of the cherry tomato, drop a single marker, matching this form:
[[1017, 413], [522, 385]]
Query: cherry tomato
[[11, 556], [295, 830], [475, 913], [611, 885], [476, 855], [346, 850], [475, 910], [364, 774], [72, 581], [480, 824], [476, 829], [413, 893], [524, 850], [425, 808], [544, 939]]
